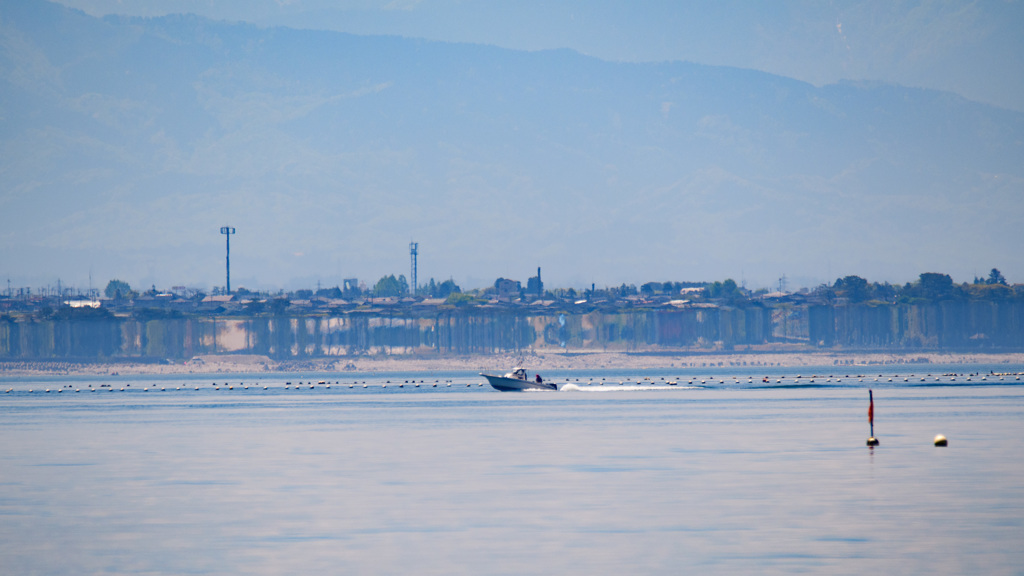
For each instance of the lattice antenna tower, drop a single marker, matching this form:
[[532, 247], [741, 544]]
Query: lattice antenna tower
[[413, 251]]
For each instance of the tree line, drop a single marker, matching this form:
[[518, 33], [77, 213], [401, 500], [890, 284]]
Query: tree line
[[929, 287]]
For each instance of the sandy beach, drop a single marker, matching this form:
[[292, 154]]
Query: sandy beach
[[540, 361]]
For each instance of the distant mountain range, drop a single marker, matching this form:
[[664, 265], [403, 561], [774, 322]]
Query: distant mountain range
[[127, 143]]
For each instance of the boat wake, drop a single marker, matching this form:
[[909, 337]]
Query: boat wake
[[619, 388]]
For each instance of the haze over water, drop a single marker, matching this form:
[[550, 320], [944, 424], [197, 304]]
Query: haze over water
[[732, 477]]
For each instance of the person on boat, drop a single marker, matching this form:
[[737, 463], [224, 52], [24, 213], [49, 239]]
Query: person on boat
[[539, 379]]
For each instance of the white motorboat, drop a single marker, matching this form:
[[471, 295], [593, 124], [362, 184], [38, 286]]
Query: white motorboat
[[516, 381]]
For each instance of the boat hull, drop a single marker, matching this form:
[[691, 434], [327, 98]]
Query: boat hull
[[506, 384]]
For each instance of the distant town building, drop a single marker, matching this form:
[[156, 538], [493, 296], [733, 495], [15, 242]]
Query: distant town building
[[82, 303], [506, 289]]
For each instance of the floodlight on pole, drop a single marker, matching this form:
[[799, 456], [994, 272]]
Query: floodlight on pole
[[227, 231]]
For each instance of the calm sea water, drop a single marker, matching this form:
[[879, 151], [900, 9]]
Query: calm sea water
[[728, 476]]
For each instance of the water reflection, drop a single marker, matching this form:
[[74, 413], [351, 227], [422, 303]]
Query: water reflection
[[633, 477]]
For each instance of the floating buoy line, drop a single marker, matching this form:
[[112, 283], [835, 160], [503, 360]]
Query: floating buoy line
[[645, 383]]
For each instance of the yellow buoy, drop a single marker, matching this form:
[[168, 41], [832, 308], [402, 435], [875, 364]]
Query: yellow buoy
[[872, 441], [940, 440]]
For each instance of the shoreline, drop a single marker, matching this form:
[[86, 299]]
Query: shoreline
[[547, 361]]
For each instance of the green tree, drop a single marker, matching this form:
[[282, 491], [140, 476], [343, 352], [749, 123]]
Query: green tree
[[996, 277], [884, 292], [329, 292], [934, 286], [726, 291], [853, 288], [624, 290], [118, 290], [447, 288], [389, 286]]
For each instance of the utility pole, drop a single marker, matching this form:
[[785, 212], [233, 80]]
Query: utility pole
[[413, 251], [227, 231]]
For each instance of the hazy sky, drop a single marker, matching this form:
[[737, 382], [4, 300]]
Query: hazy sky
[[108, 178], [975, 49]]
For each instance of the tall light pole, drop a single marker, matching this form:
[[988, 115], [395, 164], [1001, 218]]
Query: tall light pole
[[413, 251], [227, 231]]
